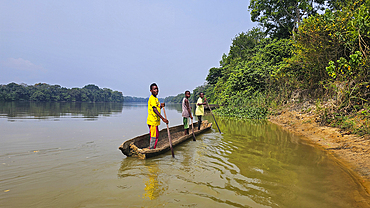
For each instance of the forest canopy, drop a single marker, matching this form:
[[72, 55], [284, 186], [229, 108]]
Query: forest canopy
[[43, 92]]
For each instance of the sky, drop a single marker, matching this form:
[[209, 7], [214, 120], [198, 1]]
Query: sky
[[122, 45]]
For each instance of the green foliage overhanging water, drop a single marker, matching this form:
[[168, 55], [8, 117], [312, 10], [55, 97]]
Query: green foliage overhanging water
[[320, 55]]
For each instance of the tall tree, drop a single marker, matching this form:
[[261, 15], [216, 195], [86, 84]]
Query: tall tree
[[280, 18]]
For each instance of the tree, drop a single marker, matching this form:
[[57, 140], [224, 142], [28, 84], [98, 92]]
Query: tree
[[91, 87], [213, 75], [38, 96], [280, 18], [244, 44]]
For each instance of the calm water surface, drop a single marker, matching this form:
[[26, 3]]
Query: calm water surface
[[66, 155]]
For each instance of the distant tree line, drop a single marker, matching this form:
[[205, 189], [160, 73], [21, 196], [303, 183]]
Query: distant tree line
[[43, 92], [138, 99], [207, 89], [174, 99], [135, 99]]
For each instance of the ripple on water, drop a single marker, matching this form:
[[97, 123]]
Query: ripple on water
[[240, 168]]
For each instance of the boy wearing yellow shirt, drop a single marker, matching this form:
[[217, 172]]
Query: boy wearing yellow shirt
[[154, 115], [199, 111]]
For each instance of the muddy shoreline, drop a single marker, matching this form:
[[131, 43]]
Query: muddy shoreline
[[351, 151]]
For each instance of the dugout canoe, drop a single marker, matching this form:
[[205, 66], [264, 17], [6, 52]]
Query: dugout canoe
[[139, 146]]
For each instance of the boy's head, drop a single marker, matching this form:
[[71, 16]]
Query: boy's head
[[201, 94], [154, 89], [187, 93]]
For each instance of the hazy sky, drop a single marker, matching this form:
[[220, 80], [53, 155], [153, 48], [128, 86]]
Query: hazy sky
[[122, 45]]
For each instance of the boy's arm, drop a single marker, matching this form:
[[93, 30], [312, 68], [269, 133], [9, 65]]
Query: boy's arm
[[188, 107], [160, 116], [204, 103]]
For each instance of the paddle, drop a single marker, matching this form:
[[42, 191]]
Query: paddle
[[213, 117], [168, 132], [192, 129]]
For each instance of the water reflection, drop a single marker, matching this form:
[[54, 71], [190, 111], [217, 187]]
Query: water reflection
[[173, 106], [143, 176], [45, 110], [153, 186]]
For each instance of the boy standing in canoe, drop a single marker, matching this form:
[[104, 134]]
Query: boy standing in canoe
[[199, 111], [186, 112], [154, 115]]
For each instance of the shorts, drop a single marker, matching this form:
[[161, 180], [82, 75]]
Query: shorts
[[186, 122]]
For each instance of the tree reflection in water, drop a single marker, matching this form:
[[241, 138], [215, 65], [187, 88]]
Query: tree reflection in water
[[46, 110]]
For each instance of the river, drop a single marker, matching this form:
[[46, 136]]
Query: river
[[66, 155]]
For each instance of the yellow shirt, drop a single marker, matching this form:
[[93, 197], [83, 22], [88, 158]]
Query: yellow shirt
[[153, 119], [199, 111]]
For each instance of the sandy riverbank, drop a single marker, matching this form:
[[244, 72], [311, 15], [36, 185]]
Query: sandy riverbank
[[351, 151]]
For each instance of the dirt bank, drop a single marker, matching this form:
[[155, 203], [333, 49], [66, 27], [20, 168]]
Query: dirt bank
[[351, 151]]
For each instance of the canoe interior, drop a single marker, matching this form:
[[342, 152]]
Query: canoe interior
[[140, 144]]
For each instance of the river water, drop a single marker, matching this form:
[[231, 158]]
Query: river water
[[66, 155]]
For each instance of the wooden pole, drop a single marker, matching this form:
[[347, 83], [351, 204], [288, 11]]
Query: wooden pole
[[213, 117], [192, 129], [168, 132]]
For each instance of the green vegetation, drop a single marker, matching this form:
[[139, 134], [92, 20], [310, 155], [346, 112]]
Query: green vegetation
[[134, 99], [44, 92], [207, 89], [299, 56], [242, 83], [139, 99], [174, 99], [282, 17]]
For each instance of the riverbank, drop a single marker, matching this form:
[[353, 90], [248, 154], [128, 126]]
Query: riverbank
[[351, 151]]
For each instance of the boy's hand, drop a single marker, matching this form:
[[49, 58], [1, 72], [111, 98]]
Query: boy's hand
[[165, 120], [162, 105], [191, 116]]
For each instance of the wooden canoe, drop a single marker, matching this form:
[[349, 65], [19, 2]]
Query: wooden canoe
[[139, 146]]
